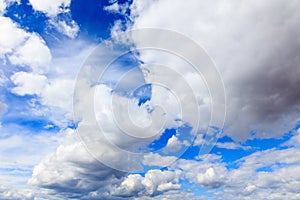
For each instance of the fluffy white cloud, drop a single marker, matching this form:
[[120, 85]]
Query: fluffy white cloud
[[153, 183], [33, 53], [23, 48], [154, 159], [14, 194], [28, 83], [58, 93], [173, 144], [231, 145], [51, 8], [10, 36]]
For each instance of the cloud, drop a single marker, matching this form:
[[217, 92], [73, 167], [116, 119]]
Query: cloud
[[267, 174], [153, 183], [209, 172], [294, 141], [11, 36], [20, 150], [51, 8], [59, 15], [14, 194], [260, 40], [23, 48], [231, 145], [72, 170], [28, 83], [33, 53], [69, 29], [173, 144], [154, 159]]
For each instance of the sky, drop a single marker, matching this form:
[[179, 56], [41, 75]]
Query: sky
[[152, 99]]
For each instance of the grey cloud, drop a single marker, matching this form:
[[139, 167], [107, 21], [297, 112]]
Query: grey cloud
[[256, 48]]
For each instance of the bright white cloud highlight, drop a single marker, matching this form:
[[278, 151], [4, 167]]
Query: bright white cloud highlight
[[51, 8], [28, 83]]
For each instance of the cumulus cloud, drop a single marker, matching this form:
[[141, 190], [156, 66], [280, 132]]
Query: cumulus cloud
[[71, 169], [260, 40], [11, 36], [23, 48], [28, 83], [75, 171], [262, 175], [153, 183], [173, 144], [33, 53]]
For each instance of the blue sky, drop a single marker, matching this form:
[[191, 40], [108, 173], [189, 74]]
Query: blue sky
[[68, 131]]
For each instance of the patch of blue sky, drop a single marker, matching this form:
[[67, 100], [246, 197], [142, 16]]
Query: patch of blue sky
[[35, 21], [163, 140], [20, 113], [94, 21], [190, 153], [33, 124], [26, 17]]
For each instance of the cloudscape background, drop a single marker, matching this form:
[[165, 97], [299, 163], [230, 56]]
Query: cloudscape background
[[256, 48]]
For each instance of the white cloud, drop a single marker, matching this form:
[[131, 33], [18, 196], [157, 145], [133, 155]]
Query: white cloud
[[69, 29], [154, 182], [154, 159], [33, 53], [51, 8], [10, 36], [231, 145], [209, 172], [23, 48], [58, 93], [20, 150], [28, 83], [268, 174], [173, 144], [64, 23], [2, 6]]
